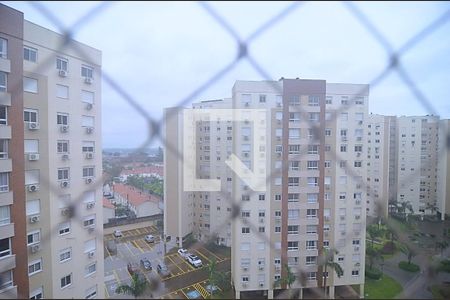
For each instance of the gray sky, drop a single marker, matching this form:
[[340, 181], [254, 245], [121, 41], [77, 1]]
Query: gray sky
[[160, 52]]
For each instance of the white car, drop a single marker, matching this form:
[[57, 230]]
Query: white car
[[118, 233], [195, 261], [183, 253], [149, 238]]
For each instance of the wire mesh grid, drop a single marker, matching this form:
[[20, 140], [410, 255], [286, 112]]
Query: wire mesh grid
[[394, 64]]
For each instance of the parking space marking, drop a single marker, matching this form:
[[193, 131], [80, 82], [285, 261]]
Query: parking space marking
[[182, 271], [137, 246], [126, 245], [217, 257], [209, 260], [201, 290]]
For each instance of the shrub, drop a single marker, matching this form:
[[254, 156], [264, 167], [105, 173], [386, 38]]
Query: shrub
[[404, 265], [373, 273]]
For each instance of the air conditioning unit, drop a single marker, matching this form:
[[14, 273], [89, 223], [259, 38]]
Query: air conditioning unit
[[33, 188], [356, 248], [277, 268], [64, 184], [89, 106], [91, 254], [89, 180], [35, 248], [65, 211], [261, 267], [90, 205], [358, 154], [34, 219], [360, 122], [33, 156], [261, 284], [89, 155], [357, 217], [88, 80], [64, 128], [33, 126], [62, 73], [89, 129], [261, 220], [65, 157], [245, 268]]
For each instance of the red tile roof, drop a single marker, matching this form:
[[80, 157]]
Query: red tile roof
[[107, 203], [134, 195], [145, 170]]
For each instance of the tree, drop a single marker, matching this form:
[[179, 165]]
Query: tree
[[330, 263], [215, 277], [373, 255], [136, 287], [432, 207], [373, 233], [405, 205], [287, 280], [409, 252]]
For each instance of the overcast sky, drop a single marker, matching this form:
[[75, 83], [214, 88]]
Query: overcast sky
[[160, 52]]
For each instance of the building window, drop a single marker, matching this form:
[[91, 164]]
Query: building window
[[64, 228], [89, 221], [33, 237], [293, 181], [4, 182], [62, 64], [62, 147], [87, 121], [312, 198], [355, 272], [313, 149], [6, 279], [5, 247], [293, 214], [35, 267], [63, 174], [245, 246], [311, 260], [33, 207], [88, 172], [313, 100], [30, 116], [329, 100], [31, 146], [31, 177], [344, 116], [3, 48], [30, 54], [293, 197], [311, 213], [62, 91], [277, 229], [3, 112], [327, 164], [91, 293], [30, 85], [262, 98], [313, 181], [311, 245], [87, 97], [327, 132], [292, 246], [311, 275], [87, 72], [3, 81], [62, 119], [313, 165], [90, 269], [65, 254], [292, 229], [245, 229], [277, 197], [66, 281], [37, 294]]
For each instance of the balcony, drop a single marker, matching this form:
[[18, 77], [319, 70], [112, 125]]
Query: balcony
[[6, 165], [5, 65], [8, 262], [5, 99], [9, 292], [7, 230], [5, 132], [6, 198]]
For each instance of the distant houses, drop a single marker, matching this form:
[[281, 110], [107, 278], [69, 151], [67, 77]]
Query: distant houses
[[147, 171]]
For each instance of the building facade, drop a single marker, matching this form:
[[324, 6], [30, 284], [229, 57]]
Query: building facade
[[443, 167], [314, 197]]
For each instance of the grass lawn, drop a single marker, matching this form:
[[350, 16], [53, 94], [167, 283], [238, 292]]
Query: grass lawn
[[385, 288]]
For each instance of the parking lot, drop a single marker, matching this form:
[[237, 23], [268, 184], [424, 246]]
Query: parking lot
[[185, 281]]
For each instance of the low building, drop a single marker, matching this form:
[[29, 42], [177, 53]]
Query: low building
[[148, 171], [139, 202], [108, 210]]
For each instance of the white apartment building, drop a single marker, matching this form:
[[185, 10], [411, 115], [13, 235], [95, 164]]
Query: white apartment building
[[314, 196], [443, 167], [63, 159]]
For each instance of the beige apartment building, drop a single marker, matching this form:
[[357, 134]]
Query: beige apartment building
[[314, 198], [60, 151]]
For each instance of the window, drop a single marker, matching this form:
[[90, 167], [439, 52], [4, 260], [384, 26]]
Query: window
[[5, 247], [358, 148], [33, 207], [245, 229], [6, 279], [314, 116], [311, 260], [245, 246], [261, 245], [311, 213], [293, 197], [278, 213], [277, 197], [293, 181], [63, 174], [342, 195], [3, 48], [294, 100], [327, 132], [327, 164], [279, 115], [3, 81], [359, 116], [292, 229], [30, 54], [311, 275], [311, 245], [293, 214], [31, 177], [355, 272], [3, 112], [4, 182], [343, 148], [261, 229], [90, 269], [245, 214], [62, 119], [313, 181], [313, 164], [313, 149], [313, 101], [292, 246], [359, 100], [87, 121], [30, 85], [277, 229], [294, 117], [329, 100], [294, 149], [312, 198], [245, 279], [358, 164], [344, 116], [65, 254], [62, 64], [86, 72], [278, 181], [88, 172], [294, 133], [278, 132], [63, 146], [262, 98], [31, 146], [33, 237], [66, 281], [342, 179], [62, 91], [87, 97], [64, 228], [91, 293], [89, 221], [37, 294], [262, 197], [30, 116]]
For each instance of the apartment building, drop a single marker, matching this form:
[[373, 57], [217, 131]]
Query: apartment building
[[50, 158], [417, 150], [13, 247], [379, 164], [443, 168], [314, 196]]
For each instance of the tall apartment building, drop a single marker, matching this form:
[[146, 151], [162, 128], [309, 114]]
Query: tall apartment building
[[61, 158], [313, 132], [443, 167], [13, 247], [380, 166], [417, 151]]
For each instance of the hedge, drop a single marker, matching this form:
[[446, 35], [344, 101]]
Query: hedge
[[404, 265], [373, 273]]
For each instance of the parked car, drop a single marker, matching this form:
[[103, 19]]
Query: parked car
[[183, 253], [146, 264], [149, 238], [163, 270], [195, 261], [132, 268], [118, 233]]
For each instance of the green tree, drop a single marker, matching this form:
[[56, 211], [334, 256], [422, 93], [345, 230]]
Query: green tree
[[409, 252], [373, 233], [215, 277], [287, 280], [373, 255], [330, 263], [136, 288]]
